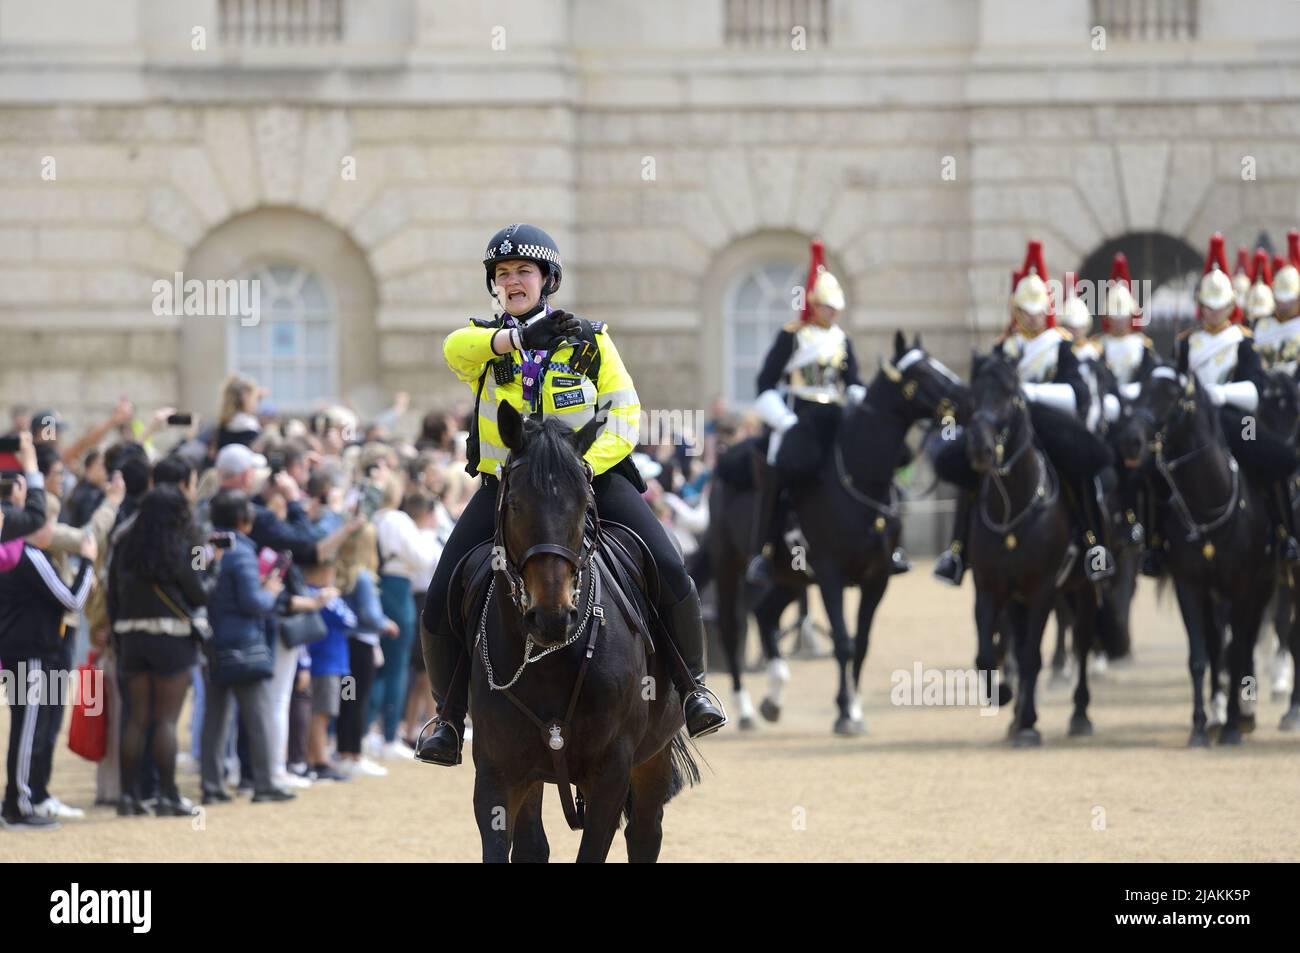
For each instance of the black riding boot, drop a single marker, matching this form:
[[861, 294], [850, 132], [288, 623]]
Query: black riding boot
[[1098, 563], [950, 566], [761, 547], [704, 714], [1283, 518], [447, 662], [1153, 554]]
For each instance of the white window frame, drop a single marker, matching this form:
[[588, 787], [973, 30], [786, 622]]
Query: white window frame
[[740, 379], [267, 361]]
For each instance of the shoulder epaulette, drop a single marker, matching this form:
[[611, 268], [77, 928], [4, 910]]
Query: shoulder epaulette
[[1065, 334], [1185, 334], [792, 325], [1246, 331], [1148, 343]]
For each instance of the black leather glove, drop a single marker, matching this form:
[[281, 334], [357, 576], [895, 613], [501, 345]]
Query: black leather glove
[[545, 331], [566, 325]]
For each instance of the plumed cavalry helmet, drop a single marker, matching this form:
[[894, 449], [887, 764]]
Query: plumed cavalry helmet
[[1286, 280], [1259, 299], [1215, 290], [1029, 285], [1076, 317], [529, 243]]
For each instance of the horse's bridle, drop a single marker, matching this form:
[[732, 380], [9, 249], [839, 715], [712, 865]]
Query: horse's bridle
[[513, 571], [1042, 494]]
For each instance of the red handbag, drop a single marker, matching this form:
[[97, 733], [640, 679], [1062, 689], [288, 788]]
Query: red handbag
[[88, 730]]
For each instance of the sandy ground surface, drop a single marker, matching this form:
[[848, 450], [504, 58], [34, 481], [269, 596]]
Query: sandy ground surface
[[934, 783]]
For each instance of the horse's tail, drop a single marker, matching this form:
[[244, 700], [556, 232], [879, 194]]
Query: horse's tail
[[686, 773]]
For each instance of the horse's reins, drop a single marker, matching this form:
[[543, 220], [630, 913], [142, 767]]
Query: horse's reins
[[1166, 467], [1041, 492], [592, 621]]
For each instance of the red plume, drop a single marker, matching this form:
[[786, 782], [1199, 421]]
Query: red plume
[[1293, 247], [1261, 267], [1119, 270], [1243, 260], [1217, 256], [818, 261]]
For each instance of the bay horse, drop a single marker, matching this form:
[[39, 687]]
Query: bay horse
[[599, 707], [1217, 531], [1021, 550], [851, 523]]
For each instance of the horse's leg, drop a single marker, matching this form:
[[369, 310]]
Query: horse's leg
[[1030, 620], [1085, 624], [767, 614], [1216, 640], [731, 630], [1284, 607], [986, 653], [651, 784], [1059, 653], [605, 805], [1195, 619], [872, 592], [849, 721], [1291, 720], [492, 812], [529, 844], [1247, 617]]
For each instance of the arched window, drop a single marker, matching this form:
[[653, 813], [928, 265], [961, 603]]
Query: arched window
[[759, 302], [291, 349]]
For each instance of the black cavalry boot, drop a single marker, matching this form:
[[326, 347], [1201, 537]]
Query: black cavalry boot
[[1280, 504], [1152, 563], [898, 562], [447, 662], [1098, 563], [761, 548], [949, 567], [704, 713]]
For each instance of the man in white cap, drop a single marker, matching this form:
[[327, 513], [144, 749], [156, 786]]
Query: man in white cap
[[1222, 356], [1065, 413], [1277, 334]]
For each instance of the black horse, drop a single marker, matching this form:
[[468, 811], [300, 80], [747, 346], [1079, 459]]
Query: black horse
[[849, 519], [1021, 549], [1217, 530], [601, 710]]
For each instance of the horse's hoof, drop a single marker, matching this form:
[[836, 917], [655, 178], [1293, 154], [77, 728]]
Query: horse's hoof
[[769, 710], [1027, 738], [1080, 727], [848, 727], [1247, 724], [1291, 720], [747, 723], [1200, 738], [1230, 736]]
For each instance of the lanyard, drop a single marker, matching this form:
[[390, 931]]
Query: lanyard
[[533, 372]]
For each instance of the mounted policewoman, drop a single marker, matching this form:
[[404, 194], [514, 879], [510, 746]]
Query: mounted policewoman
[[547, 363]]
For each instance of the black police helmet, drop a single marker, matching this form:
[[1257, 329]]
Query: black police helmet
[[528, 242]]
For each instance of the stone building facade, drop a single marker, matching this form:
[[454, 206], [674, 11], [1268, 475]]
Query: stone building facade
[[357, 155]]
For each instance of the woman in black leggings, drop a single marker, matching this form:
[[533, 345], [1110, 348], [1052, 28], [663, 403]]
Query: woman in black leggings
[[153, 592]]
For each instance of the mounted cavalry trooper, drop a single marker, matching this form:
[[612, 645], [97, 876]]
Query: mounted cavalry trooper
[[1277, 335], [1065, 416], [1077, 319], [809, 375], [1222, 356], [1129, 356], [547, 363]]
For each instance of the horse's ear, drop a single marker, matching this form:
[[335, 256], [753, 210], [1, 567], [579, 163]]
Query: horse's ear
[[586, 435], [900, 346], [916, 342], [1180, 361], [510, 424], [976, 359]]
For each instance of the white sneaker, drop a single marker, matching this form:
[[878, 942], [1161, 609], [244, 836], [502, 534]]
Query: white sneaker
[[291, 781], [373, 745], [367, 768], [52, 807], [396, 750]]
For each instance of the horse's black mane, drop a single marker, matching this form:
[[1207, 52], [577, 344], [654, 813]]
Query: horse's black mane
[[553, 463]]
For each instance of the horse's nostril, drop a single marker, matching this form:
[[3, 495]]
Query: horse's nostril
[[573, 617]]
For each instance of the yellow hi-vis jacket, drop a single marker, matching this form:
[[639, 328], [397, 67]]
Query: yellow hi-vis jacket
[[566, 395]]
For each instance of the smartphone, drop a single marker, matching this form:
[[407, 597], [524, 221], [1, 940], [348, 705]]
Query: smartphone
[[222, 540], [282, 564], [9, 443], [180, 420]]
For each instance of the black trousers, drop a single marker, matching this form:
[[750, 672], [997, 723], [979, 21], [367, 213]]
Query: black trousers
[[31, 743], [352, 709], [616, 500]]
